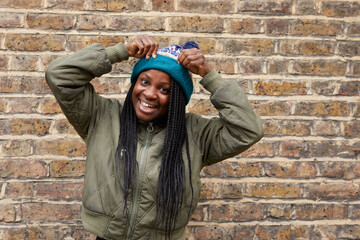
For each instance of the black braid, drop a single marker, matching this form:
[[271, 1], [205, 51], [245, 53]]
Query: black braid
[[125, 157], [171, 181]]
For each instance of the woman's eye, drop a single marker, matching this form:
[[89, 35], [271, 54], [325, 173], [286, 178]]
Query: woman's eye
[[145, 82], [165, 90]]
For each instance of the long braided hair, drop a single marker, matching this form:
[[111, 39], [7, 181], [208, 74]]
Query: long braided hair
[[171, 180]]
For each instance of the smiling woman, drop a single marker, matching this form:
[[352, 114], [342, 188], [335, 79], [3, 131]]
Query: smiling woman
[[144, 155]]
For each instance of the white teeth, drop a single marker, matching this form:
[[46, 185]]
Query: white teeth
[[147, 105]]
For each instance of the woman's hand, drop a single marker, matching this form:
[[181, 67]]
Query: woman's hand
[[194, 60], [142, 45]]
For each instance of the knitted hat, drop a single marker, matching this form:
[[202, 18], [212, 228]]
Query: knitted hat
[[166, 61]]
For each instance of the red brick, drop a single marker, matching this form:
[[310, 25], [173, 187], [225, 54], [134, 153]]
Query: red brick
[[20, 190], [272, 108], [77, 42], [35, 4], [293, 149], [279, 67], [221, 190], [280, 212], [320, 211], [290, 169], [11, 20], [67, 4], [333, 191], [67, 168], [349, 49], [236, 212], [35, 42], [333, 149], [326, 232], [211, 232], [264, 7], [232, 169], [47, 232], [124, 23], [272, 88], [59, 190], [91, 22], [50, 21], [17, 148], [49, 106], [23, 84], [339, 170], [163, 5], [326, 128], [252, 47], [354, 29], [23, 169], [126, 5], [326, 88], [341, 9], [197, 24], [275, 128], [205, 6], [349, 88], [64, 127], [2, 105], [356, 69], [354, 211], [23, 105], [24, 63], [316, 28], [308, 48], [109, 85], [247, 66], [352, 129], [46, 59], [46, 212], [349, 232], [226, 66], [62, 147], [322, 108], [25, 126], [273, 190], [4, 62], [320, 68], [245, 26], [9, 213], [261, 149], [306, 7], [276, 26]]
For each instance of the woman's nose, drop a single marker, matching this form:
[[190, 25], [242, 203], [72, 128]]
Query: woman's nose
[[150, 93]]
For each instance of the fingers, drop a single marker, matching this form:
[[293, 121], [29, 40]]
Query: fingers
[[143, 45], [195, 61]]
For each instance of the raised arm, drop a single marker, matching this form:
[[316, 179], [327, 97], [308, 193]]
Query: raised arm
[[236, 129]]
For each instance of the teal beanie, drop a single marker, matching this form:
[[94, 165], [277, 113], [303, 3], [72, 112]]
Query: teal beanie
[[166, 61]]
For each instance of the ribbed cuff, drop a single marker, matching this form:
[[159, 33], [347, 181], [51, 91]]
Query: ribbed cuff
[[212, 81], [117, 53]]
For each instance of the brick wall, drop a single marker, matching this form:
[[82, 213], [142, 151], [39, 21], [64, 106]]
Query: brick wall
[[298, 60]]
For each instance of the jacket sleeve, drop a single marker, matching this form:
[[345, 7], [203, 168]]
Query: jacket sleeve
[[69, 79], [236, 129]]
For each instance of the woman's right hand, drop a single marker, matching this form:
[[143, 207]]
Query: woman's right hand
[[142, 45]]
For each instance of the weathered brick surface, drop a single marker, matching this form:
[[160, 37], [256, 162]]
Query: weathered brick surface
[[298, 60]]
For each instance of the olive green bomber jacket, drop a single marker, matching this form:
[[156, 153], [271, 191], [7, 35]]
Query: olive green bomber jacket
[[97, 121]]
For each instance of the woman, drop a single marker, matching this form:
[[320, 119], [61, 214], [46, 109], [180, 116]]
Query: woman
[[144, 156]]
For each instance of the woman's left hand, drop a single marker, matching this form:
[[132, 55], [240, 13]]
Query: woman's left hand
[[194, 60]]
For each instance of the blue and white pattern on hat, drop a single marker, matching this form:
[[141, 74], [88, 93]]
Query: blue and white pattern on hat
[[172, 51]]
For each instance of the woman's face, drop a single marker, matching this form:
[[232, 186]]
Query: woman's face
[[151, 95]]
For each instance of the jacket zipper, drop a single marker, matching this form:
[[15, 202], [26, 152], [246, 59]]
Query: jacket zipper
[[150, 129]]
